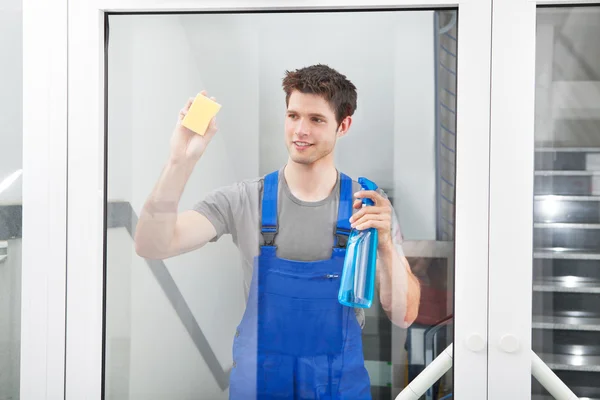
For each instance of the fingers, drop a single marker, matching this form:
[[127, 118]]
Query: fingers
[[377, 198], [377, 216], [212, 128], [380, 225], [212, 125], [183, 112], [370, 217], [187, 106], [371, 210]]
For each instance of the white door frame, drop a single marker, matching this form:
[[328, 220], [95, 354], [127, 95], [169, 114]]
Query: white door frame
[[43, 279], [86, 180], [511, 196]]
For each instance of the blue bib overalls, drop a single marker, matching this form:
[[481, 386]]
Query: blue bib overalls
[[295, 340]]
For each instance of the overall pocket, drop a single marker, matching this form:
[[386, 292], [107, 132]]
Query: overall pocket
[[298, 326]]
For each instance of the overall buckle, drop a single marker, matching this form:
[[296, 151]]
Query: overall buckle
[[342, 235], [268, 233]]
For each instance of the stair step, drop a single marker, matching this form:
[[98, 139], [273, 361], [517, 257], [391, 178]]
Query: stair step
[[566, 323]]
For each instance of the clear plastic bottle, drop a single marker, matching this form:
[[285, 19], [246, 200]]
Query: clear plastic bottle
[[358, 275]]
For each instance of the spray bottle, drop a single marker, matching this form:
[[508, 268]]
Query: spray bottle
[[358, 275]]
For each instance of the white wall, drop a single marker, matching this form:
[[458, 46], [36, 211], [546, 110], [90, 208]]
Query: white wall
[[414, 128], [155, 64], [568, 77]]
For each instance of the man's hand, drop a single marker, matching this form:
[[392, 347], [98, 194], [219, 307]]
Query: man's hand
[[399, 289], [187, 145], [378, 216]]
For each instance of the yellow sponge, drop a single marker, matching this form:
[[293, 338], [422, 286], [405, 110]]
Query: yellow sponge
[[200, 113]]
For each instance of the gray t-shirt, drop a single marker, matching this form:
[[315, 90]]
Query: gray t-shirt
[[305, 229]]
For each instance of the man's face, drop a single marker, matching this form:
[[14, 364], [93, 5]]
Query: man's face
[[310, 128]]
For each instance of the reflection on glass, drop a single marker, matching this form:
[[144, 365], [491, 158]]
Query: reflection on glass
[[186, 318], [11, 145], [566, 264]]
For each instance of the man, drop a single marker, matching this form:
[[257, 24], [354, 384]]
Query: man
[[295, 339]]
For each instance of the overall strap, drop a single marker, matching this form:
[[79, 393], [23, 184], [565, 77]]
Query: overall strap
[[342, 231], [269, 208]]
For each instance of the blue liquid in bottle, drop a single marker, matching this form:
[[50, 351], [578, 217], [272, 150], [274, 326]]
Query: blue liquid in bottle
[[358, 275]]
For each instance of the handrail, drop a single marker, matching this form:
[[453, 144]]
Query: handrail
[[431, 346], [442, 363], [434, 371], [3, 250], [430, 337], [122, 214], [548, 379]]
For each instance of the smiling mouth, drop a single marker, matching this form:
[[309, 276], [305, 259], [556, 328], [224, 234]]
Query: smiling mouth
[[302, 144]]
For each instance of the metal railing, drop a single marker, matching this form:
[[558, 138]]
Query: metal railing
[[442, 363]]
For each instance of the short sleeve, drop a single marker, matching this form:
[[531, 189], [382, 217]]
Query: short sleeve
[[221, 207]]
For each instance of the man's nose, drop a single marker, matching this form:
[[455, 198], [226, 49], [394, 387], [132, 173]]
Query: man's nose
[[302, 128]]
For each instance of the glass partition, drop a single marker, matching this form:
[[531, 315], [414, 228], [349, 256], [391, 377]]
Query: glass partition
[[11, 168], [566, 258], [172, 319]]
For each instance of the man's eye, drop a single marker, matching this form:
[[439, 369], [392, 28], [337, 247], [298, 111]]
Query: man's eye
[[317, 120]]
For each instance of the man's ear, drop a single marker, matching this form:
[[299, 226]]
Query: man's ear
[[344, 126]]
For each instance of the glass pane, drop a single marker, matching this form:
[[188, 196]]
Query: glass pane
[[566, 262], [181, 317], [11, 163]]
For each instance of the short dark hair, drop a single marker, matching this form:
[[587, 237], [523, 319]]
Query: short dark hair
[[322, 80]]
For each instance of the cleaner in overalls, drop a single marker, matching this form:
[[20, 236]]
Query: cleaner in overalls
[[296, 339]]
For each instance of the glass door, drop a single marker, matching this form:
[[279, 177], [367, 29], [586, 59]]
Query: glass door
[[544, 242], [11, 197], [144, 322], [566, 258]]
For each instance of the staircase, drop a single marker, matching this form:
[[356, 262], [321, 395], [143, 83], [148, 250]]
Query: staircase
[[566, 267]]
